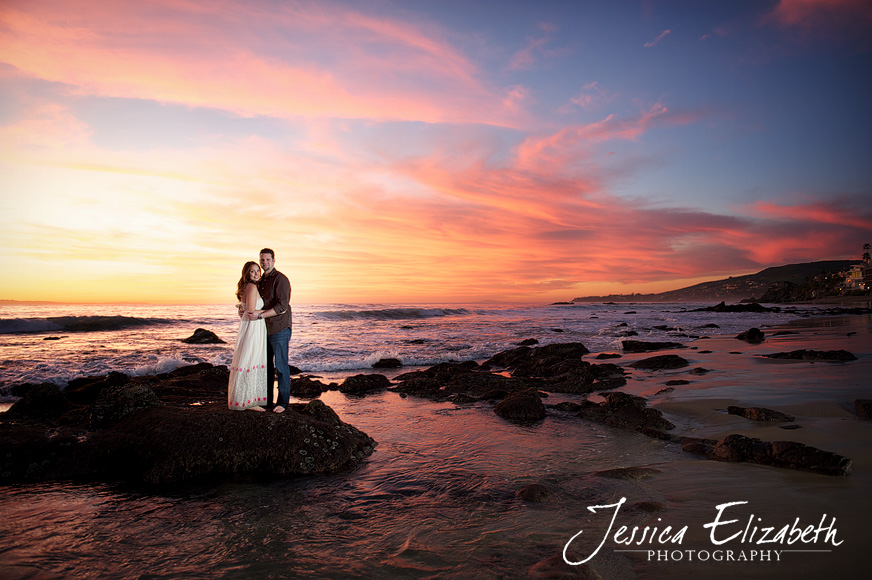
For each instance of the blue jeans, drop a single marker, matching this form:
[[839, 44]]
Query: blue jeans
[[277, 348]]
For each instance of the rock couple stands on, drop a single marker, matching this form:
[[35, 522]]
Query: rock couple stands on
[[167, 429]]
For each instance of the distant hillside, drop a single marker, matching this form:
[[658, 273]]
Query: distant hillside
[[733, 288]]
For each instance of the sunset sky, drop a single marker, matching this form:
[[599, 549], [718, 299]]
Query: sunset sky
[[427, 151]]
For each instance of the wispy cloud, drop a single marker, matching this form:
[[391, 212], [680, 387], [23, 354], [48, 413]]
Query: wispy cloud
[[657, 40], [537, 48]]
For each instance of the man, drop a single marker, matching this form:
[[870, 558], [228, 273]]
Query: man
[[275, 289]]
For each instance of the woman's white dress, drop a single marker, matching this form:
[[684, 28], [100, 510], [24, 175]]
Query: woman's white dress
[[247, 387]]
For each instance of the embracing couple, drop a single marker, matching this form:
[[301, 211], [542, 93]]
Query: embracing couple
[[262, 340]]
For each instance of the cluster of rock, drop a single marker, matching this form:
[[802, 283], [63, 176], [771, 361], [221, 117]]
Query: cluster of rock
[[526, 372], [167, 429]]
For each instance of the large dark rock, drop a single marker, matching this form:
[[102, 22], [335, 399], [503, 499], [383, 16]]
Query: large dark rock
[[363, 384], [625, 411], [521, 407], [753, 335], [642, 346], [760, 414], [788, 454], [203, 336], [664, 361], [814, 355], [191, 435]]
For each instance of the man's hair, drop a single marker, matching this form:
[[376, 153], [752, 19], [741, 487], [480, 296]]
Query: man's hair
[[268, 251]]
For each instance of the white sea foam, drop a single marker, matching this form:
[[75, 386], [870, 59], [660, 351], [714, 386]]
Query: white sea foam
[[160, 364]]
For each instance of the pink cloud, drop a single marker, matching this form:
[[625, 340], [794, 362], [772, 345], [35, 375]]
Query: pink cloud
[[835, 21], [284, 60], [808, 13]]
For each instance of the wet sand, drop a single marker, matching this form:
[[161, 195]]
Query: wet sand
[[821, 396]]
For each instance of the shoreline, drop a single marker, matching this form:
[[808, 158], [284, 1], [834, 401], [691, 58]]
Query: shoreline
[[820, 397]]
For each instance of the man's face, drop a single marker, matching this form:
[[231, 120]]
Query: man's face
[[267, 263]]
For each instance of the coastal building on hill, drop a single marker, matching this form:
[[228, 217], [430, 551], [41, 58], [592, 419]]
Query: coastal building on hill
[[855, 277]]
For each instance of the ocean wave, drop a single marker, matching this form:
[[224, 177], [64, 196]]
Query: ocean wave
[[391, 313], [75, 324]]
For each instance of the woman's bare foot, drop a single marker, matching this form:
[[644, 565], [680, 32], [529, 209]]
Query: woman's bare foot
[[278, 409], [261, 409]]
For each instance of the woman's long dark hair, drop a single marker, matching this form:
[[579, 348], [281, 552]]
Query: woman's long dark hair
[[245, 279]]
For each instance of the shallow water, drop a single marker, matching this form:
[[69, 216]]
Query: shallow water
[[436, 500]]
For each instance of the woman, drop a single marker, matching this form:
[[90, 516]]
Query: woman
[[247, 387]]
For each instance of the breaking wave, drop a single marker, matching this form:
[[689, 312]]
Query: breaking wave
[[75, 324], [391, 313]]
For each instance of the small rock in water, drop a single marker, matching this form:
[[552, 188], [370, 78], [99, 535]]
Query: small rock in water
[[362, 384], [629, 473], [203, 336], [387, 363], [760, 414], [863, 408], [666, 361], [814, 355], [642, 346], [521, 406], [753, 335], [534, 493]]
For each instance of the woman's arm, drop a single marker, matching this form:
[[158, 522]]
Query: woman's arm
[[249, 295]]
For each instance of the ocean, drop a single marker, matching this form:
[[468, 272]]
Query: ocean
[[437, 499], [56, 343]]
